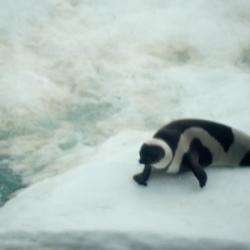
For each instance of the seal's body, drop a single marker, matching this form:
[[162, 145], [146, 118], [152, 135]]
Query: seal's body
[[193, 144]]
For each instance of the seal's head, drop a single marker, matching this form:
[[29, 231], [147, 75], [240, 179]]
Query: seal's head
[[156, 153]]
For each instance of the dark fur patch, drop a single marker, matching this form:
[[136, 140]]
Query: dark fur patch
[[171, 132], [245, 160], [205, 156], [170, 136]]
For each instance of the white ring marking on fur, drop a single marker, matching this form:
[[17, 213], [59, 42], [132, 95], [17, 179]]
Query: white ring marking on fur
[[166, 160]]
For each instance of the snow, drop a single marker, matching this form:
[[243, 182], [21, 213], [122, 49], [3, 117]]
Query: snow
[[97, 205], [82, 84]]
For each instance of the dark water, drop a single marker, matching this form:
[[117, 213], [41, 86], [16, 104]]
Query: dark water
[[9, 183]]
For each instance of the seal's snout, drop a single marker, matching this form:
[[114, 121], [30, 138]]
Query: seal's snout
[[140, 161]]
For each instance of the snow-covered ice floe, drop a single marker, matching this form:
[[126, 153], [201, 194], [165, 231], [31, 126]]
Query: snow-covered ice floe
[[97, 205], [73, 73]]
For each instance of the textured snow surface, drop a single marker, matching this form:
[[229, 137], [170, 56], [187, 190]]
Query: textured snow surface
[[98, 206]]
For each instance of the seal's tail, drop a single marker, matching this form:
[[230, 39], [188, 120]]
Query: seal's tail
[[245, 162]]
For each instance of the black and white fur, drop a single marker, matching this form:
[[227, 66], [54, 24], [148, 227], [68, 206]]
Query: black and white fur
[[192, 144]]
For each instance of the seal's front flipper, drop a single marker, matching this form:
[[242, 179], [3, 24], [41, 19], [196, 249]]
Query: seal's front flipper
[[143, 177], [140, 180], [200, 175], [197, 170]]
